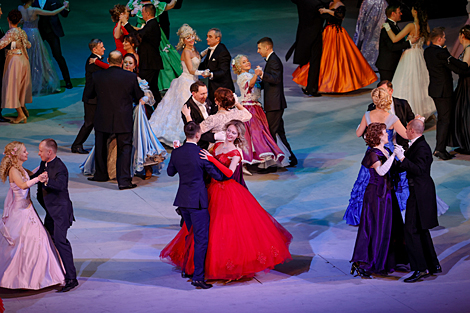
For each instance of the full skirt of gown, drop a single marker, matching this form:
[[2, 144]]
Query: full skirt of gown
[[343, 68], [16, 86], [243, 238], [28, 258], [461, 123], [44, 77], [171, 64]]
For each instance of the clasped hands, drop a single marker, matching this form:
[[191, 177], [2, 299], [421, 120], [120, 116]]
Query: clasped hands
[[66, 4], [399, 152], [43, 177], [259, 71]]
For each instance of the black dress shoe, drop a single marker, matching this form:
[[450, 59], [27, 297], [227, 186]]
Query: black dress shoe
[[436, 270], [130, 186], [201, 284], [79, 150], [4, 120], [96, 179], [293, 161], [184, 275], [69, 285], [417, 275], [68, 85], [442, 155], [268, 170], [311, 94]]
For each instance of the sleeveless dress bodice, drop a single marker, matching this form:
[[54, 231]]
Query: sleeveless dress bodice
[[195, 62], [27, 18]]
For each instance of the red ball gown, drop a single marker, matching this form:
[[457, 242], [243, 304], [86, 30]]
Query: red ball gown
[[243, 238]]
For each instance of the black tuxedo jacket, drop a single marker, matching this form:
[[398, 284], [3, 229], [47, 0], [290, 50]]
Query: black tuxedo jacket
[[197, 117], [309, 28], [404, 113], [49, 24], [219, 65], [148, 50], [164, 19], [89, 70], [116, 91], [273, 84], [54, 196], [440, 65], [186, 161], [417, 164], [389, 52]]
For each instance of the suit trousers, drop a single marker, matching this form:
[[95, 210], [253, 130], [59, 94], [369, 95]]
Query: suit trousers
[[276, 126], [87, 126], [418, 241], [54, 42], [199, 220], [59, 237], [124, 156], [151, 76], [315, 62], [444, 115], [386, 75]]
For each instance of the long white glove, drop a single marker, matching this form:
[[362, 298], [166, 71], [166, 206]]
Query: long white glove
[[219, 136], [31, 182], [399, 152], [386, 26], [204, 52], [384, 168]]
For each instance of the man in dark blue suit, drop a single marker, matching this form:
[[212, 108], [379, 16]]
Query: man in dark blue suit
[[191, 197], [53, 195]]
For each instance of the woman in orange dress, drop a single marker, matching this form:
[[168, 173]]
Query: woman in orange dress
[[343, 68]]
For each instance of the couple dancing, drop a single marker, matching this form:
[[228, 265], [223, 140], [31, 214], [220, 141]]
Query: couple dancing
[[227, 234], [28, 253]]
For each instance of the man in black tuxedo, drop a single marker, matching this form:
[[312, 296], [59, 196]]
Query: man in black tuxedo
[[150, 61], [272, 82], [400, 107], [51, 30], [97, 51], [440, 65], [164, 19], [2, 65], [389, 52], [217, 61], [308, 42], [421, 207], [115, 90], [191, 197], [53, 195], [201, 108]]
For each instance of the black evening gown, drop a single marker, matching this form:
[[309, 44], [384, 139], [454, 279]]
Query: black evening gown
[[461, 136]]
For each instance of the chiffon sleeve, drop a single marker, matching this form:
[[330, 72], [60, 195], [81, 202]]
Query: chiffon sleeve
[[340, 12], [370, 158]]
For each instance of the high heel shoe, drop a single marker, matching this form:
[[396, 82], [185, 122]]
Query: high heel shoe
[[25, 111], [360, 271], [17, 121]]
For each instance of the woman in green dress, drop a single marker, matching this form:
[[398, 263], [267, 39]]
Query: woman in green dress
[[170, 57]]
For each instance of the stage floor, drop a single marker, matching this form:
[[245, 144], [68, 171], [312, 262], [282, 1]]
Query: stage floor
[[118, 235]]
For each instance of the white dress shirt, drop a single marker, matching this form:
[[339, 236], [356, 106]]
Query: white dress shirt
[[202, 107]]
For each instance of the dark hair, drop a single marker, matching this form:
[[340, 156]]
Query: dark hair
[[385, 82], [14, 16], [150, 9], [115, 57], [116, 11], [266, 41], [373, 134], [240, 126], [134, 40], [50, 144], [390, 9], [93, 43], [225, 98], [465, 31], [191, 129], [217, 32], [422, 20], [131, 55], [436, 32], [195, 86]]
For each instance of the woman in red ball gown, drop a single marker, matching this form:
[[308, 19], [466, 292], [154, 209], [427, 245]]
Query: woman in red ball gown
[[343, 68], [243, 238]]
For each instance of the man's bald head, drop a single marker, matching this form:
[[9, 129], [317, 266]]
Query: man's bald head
[[115, 58], [417, 126]]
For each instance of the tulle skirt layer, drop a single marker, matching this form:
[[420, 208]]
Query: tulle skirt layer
[[16, 87]]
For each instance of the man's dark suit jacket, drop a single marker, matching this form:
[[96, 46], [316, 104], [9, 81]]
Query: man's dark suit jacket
[[164, 19], [197, 117], [89, 70], [417, 164], [116, 91], [273, 84], [440, 65], [49, 24], [54, 197], [389, 52], [404, 113], [219, 65], [192, 191], [149, 53]]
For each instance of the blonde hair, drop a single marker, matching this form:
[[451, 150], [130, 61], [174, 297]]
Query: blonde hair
[[240, 142], [183, 32], [236, 66], [10, 159], [381, 99]]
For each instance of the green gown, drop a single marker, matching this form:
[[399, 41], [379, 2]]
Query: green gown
[[170, 57]]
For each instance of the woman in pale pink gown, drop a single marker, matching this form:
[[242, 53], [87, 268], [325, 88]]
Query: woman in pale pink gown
[[28, 258]]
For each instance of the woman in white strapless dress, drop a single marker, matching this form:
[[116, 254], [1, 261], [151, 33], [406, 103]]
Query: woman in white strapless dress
[[166, 121], [411, 79]]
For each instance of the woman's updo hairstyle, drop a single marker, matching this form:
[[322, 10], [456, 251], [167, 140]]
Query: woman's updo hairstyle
[[373, 134], [116, 11], [15, 16], [236, 66], [10, 159], [465, 31], [381, 99], [224, 97], [183, 32]]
